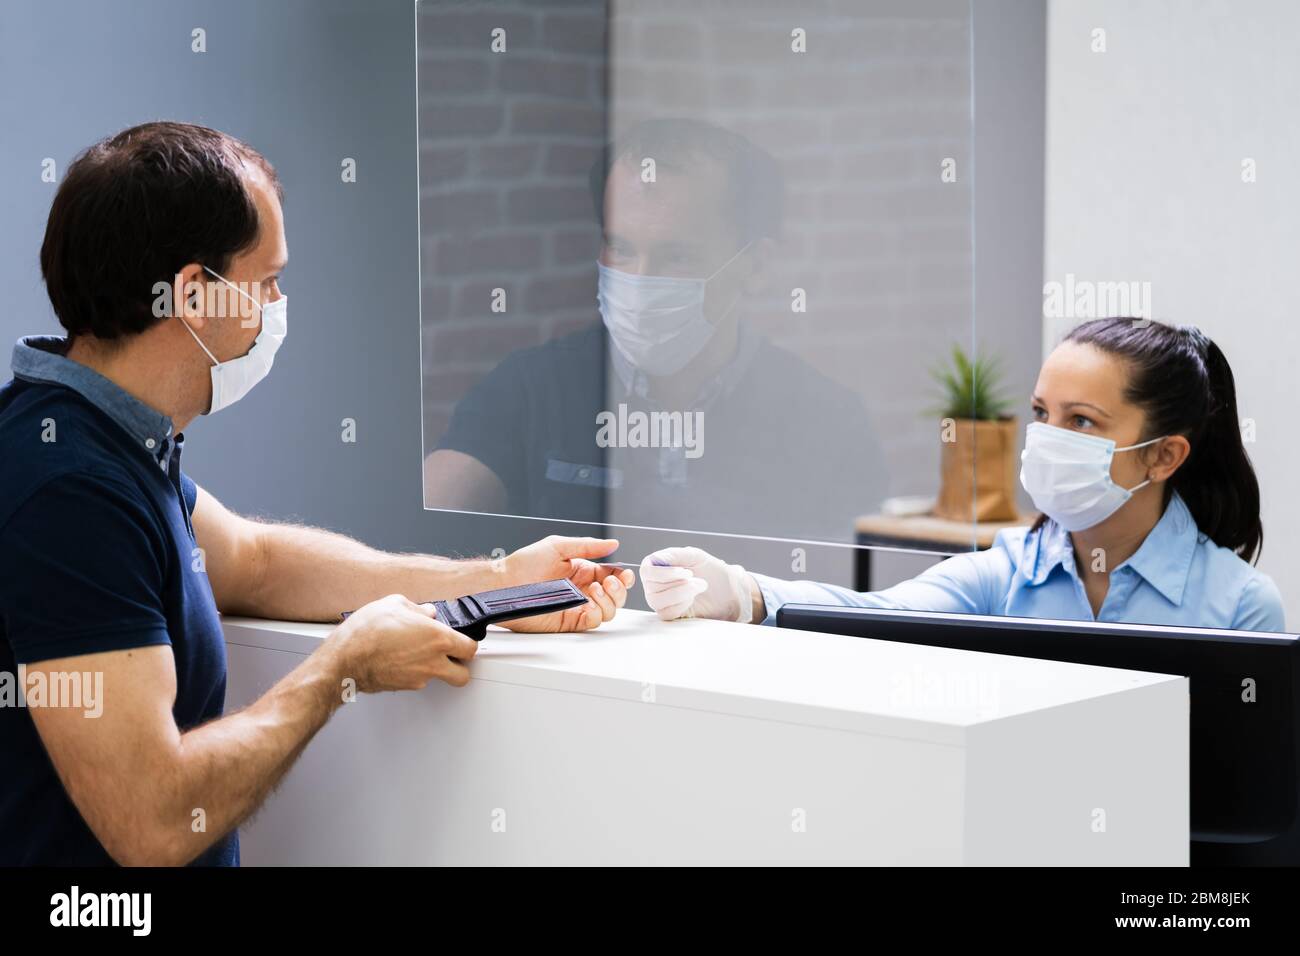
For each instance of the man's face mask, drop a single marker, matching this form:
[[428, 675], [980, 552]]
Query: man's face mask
[[234, 379], [656, 322]]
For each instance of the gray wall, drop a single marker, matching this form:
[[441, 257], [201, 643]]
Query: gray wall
[[307, 83], [1144, 184], [310, 83]]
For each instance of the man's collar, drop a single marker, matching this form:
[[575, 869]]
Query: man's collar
[[42, 358], [1163, 559]]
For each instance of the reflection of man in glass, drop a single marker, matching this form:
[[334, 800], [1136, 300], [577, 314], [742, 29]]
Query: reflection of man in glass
[[748, 438]]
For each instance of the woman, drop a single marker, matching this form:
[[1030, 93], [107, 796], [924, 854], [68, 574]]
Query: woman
[[1150, 506]]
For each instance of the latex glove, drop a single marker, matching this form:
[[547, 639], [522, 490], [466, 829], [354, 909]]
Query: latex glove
[[690, 582]]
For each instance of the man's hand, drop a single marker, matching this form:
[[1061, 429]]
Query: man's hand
[[560, 557], [396, 644], [306, 574]]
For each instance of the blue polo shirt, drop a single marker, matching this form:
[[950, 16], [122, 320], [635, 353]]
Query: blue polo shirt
[[97, 554]]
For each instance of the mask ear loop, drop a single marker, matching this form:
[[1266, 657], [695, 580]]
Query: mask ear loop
[[194, 335], [222, 278], [257, 305], [196, 338], [1141, 445], [739, 252]]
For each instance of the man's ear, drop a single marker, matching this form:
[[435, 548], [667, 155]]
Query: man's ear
[[189, 295]]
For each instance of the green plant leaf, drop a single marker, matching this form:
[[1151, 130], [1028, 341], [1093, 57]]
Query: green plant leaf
[[970, 387]]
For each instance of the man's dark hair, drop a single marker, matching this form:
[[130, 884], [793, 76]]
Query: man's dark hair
[[133, 210], [755, 202]]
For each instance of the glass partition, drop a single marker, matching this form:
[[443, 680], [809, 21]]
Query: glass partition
[[693, 265]]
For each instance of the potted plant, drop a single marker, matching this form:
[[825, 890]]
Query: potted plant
[[977, 441]]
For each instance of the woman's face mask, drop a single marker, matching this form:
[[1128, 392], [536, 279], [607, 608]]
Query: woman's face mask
[[234, 379], [1067, 474], [656, 322]]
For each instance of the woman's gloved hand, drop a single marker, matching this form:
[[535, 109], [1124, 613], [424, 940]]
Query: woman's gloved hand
[[690, 582]]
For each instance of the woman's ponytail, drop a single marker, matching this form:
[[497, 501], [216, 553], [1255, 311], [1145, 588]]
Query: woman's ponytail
[[1217, 481]]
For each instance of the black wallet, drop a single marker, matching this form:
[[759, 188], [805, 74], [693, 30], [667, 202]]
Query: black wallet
[[472, 613]]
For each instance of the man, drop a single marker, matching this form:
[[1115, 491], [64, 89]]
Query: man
[[750, 425], [162, 258]]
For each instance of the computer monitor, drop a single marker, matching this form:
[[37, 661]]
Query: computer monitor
[[1243, 755]]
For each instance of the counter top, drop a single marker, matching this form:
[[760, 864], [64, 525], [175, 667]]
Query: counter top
[[877, 687]]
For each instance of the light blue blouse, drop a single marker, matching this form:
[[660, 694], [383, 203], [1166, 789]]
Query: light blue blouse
[[1178, 577]]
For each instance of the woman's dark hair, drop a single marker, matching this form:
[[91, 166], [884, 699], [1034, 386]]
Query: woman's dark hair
[[1183, 383], [133, 210]]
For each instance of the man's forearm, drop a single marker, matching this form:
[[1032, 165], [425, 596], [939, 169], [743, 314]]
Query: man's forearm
[[228, 767], [306, 574]]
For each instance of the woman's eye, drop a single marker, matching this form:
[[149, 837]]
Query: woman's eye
[[1081, 421], [1040, 414]]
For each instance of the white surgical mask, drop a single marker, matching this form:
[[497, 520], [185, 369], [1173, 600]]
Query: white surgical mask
[[1067, 474], [234, 379], [656, 322]]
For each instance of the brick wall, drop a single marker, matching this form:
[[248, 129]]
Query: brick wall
[[860, 124], [506, 140]]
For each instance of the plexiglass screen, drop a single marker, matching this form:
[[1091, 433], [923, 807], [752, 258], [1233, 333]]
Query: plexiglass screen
[[703, 266]]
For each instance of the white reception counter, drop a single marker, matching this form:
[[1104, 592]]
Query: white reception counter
[[699, 742]]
